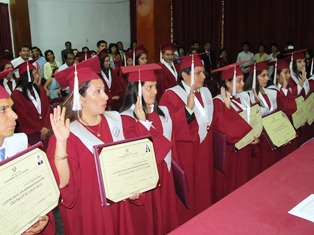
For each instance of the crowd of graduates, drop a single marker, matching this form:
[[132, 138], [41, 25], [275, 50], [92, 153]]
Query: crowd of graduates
[[110, 94]]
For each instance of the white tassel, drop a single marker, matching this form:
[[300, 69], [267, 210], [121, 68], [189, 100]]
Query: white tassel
[[192, 73], [234, 81], [311, 72], [254, 77], [28, 73], [275, 73], [139, 86], [134, 56], [160, 55], [290, 66], [76, 95]]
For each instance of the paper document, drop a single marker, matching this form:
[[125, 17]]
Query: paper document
[[304, 209]]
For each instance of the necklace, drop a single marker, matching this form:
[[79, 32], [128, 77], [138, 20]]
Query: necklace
[[87, 126]]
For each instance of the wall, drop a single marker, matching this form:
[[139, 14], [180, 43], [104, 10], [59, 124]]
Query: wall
[[53, 22]]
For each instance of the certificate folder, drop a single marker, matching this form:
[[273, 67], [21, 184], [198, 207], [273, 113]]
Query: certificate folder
[[180, 183], [27, 190], [125, 167], [219, 151]]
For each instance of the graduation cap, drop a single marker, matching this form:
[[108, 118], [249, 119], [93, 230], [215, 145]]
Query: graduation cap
[[296, 55], [257, 67], [165, 47], [191, 61], [278, 64], [27, 66], [3, 93], [83, 55], [78, 74], [230, 71], [141, 73]]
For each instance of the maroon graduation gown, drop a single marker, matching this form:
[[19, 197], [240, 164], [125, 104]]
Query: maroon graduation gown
[[80, 208], [194, 157], [230, 123], [162, 146], [165, 79], [28, 118]]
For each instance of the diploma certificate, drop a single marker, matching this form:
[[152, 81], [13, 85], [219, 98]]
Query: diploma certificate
[[256, 124], [309, 107], [125, 168], [278, 128], [27, 190], [299, 117]]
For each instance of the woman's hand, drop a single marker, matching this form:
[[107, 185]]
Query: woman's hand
[[135, 196], [139, 111], [225, 97], [60, 127], [44, 133], [38, 226], [255, 141]]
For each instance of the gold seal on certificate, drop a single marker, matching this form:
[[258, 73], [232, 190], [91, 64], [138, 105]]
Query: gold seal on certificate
[[27, 190], [278, 128], [255, 121], [309, 107], [124, 168], [299, 117]]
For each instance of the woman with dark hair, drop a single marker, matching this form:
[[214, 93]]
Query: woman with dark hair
[[141, 115], [77, 128], [309, 63], [141, 55], [113, 87], [32, 106], [261, 55], [115, 59], [223, 58], [298, 82], [51, 86], [233, 127]]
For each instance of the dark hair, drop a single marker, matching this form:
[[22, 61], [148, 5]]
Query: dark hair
[[67, 42], [73, 115], [246, 43], [137, 57], [186, 70], [111, 45], [66, 54], [249, 82], [24, 46], [130, 98], [25, 85], [46, 54], [273, 44], [294, 68], [102, 62], [85, 48], [223, 49], [263, 45], [100, 42]]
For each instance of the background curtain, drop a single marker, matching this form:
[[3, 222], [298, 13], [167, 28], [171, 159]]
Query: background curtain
[[258, 21], [5, 32], [197, 20]]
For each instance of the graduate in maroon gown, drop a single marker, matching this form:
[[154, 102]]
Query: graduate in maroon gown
[[168, 76], [77, 128], [301, 86], [113, 86], [228, 122], [141, 116], [8, 117], [191, 109], [32, 106]]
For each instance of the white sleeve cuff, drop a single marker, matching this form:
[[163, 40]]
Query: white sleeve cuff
[[147, 124], [189, 110]]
